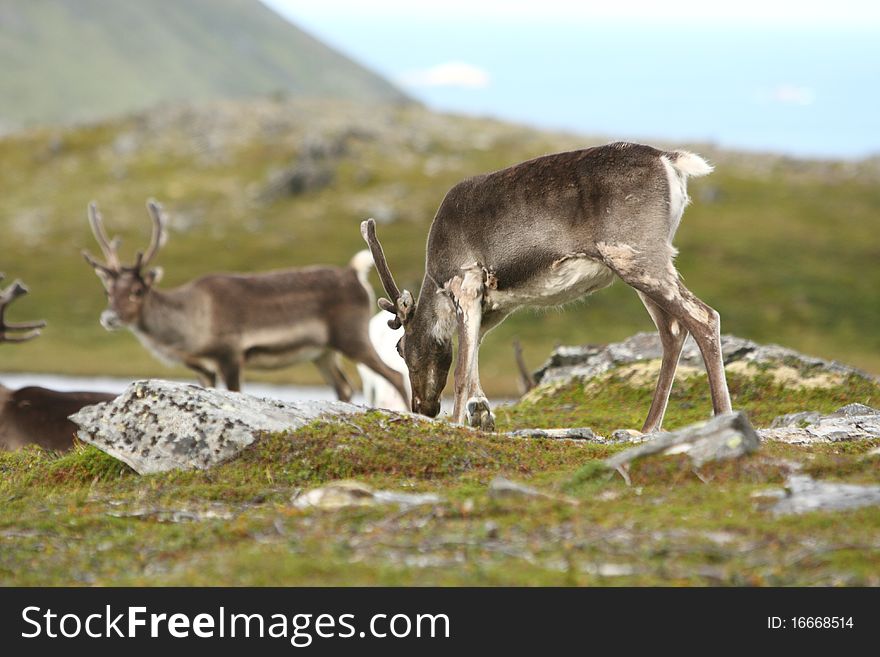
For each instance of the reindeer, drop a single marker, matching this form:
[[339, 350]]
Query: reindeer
[[218, 324], [543, 233], [526, 378], [377, 391], [34, 415]]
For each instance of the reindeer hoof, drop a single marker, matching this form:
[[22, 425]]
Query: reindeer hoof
[[479, 415]]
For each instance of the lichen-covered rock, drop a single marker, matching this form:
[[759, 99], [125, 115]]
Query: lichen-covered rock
[[803, 494], [851, 422], [155, 426], [589, 361], [723, 437]]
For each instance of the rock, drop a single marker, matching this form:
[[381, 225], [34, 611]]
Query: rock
[[155, 426], [342, 494], [851, 422], [803, 494], [500, 487], [300, 178], [592, 360], [795, 419], [578, 433], [723, 437]]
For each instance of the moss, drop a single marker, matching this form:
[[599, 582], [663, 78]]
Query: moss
[[613, 402]]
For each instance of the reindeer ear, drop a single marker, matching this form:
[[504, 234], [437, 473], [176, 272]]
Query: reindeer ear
[[154, 276], [386, 305]]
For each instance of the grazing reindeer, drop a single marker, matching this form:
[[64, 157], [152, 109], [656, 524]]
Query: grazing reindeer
[[377, 391], [219, 323], [543, 233], [34, 415]]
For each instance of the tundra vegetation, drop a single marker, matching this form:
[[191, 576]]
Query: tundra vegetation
[[784, 250]]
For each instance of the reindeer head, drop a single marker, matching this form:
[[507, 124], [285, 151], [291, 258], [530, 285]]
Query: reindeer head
[[31, 329], [127, 287], [427, 358]]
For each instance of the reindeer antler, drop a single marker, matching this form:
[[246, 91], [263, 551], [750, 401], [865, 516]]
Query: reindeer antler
[[159, 235], [7, 296], [401, 303], [109, 247]]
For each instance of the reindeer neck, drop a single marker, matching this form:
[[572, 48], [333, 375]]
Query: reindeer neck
[[165, 316], [434, 312]]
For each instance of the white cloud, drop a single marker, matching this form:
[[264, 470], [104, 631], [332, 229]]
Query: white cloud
[[786, 94], [448, 74], [793, 95]]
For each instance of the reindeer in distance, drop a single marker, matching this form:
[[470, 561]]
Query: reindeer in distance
[[220, 323], [34, 415]]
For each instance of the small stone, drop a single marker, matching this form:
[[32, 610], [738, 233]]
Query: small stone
[[850, 422], [342, 494]]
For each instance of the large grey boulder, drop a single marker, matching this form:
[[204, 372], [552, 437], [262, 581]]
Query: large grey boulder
[[851, 422], [589, 361], [723, 437], [155, 426]]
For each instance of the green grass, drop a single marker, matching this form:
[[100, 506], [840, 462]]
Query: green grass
[[787, 253], [616, 403], [84, 518]]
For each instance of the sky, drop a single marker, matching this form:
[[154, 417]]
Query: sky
[[801, 78]]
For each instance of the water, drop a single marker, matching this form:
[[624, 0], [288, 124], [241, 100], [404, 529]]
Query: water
[[117, 386]]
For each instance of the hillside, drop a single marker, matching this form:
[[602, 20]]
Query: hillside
[[786, 250], [70, 60]]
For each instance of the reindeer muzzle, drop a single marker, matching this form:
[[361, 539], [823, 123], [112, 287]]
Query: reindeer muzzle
[[110, 321]]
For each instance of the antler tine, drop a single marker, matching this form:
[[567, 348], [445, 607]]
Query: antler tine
[[108, 247], [368, 230], [7, 296], [159, 235]]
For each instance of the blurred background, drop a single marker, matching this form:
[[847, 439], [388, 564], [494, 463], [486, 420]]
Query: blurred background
[[271, 129]]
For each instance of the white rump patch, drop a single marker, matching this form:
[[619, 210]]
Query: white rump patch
[[377, 390], [362, 262], [678, 196], [691, 164]]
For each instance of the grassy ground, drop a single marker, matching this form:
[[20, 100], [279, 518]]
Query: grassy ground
[[786, 250], [84, 518]]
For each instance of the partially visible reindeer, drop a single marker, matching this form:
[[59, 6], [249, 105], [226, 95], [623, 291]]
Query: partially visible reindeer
[[377, 391], [34, 415], [543, 233], [526, 378], [218, 324]]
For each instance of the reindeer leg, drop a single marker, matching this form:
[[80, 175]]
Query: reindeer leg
[[362, 351], [328, 364], [230, 372], [207, 378], [653, 274], [471, 405], [672, 337]]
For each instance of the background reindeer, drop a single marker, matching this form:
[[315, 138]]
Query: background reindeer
[[543, 233], [34, 415], [219, 323], [377, 391]]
